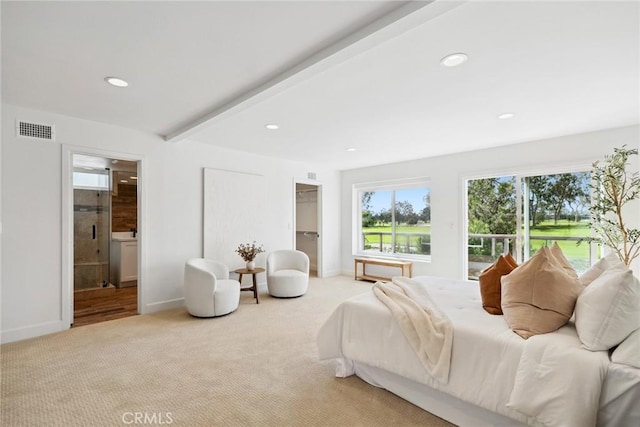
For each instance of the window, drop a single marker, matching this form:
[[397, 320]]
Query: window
[[91, 180], [520, 214], [393, 219]]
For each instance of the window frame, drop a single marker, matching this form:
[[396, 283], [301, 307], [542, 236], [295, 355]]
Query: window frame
[[392, 185]]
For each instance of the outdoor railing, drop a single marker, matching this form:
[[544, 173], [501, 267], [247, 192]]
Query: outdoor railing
[[507, 243], [406, 242], [420, 243]]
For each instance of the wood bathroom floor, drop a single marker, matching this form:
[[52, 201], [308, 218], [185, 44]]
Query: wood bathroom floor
[[123, 303]]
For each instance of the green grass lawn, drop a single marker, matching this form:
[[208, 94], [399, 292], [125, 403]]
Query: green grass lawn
[[373, 241], [577, 254], [562, 228]]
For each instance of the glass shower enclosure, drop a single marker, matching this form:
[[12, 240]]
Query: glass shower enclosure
[[91, 228]]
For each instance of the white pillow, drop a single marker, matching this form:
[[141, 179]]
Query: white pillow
[[628, 352], [607, 310], [611, 261]]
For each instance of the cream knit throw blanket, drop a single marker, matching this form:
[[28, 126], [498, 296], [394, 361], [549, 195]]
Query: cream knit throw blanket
[[427, 329]]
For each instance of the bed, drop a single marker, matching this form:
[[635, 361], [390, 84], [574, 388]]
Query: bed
[[490, 379]]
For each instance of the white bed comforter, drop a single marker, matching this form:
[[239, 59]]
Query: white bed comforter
[[568, 377], [548, 380]]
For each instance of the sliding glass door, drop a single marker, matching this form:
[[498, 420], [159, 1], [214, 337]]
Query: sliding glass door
[[520, 214]]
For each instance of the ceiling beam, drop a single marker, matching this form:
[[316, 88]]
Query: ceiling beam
[[395, 23]]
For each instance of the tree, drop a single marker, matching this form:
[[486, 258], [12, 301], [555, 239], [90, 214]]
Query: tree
[[425, 213], [405, 213], [554, 193], [478, 192], [562, 188], [384, 216], [579, 205], [366, 200], [368, 220], [613, 187], [538, 188], [367, 216], [492, 205], [504, 208]]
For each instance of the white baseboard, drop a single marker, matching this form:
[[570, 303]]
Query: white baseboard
[[32, 331], [347, 272], [333, 273], [154, 307]]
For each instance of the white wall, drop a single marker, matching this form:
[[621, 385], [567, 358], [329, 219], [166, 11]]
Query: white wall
[[447, 174], [31, 286]]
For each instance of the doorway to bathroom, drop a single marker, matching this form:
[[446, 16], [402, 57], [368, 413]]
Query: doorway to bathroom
[[308, 223], [105, 239]]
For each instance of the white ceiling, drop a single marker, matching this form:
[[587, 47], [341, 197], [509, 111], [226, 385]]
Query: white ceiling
[[332, 75]]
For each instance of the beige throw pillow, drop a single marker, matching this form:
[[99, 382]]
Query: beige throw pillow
[[539, 296], [556, 251]]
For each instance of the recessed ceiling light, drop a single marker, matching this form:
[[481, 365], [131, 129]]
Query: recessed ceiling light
[[116, 81], [351, 149], [271, 126], [134, 177], [123, 180], [506, 116], [454, 59]]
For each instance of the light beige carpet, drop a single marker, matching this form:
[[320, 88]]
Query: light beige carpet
[[255, 367]]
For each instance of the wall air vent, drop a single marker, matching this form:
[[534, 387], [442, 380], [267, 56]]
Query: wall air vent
[[35, 130]]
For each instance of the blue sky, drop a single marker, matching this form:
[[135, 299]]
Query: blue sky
[[382, 199]]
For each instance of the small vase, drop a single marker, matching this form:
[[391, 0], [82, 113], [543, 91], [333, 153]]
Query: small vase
[[251, 265]]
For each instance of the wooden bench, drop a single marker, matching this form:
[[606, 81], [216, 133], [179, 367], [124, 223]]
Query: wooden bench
[[383, 262]]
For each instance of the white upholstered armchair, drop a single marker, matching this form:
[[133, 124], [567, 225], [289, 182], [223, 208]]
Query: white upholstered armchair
[[208, 291], [287, 273]]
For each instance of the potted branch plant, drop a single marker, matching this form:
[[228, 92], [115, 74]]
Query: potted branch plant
[[249, 252], [613, 187]]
